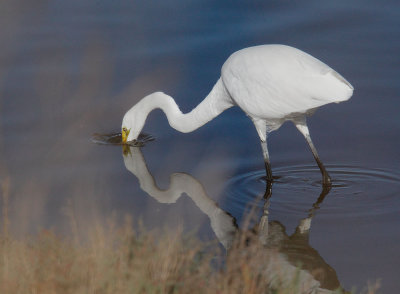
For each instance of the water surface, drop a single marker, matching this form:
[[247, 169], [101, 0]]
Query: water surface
[[69, 69]]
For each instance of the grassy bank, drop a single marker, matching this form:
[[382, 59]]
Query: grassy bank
[[122, 261]]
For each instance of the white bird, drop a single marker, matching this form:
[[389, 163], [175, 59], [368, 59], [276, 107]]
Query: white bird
[[270, 83]]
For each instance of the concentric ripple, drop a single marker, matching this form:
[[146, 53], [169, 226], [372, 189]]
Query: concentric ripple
[[356, 191]]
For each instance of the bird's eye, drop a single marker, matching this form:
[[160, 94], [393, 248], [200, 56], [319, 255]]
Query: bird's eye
[[124, 129]]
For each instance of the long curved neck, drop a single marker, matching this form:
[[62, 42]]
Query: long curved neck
[[216, 102]]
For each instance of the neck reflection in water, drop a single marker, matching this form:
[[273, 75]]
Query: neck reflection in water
[[290, 251]]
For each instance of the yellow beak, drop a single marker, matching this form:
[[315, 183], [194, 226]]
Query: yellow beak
[[124, 134]]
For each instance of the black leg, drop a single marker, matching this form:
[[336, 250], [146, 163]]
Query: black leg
[[266, 161], [302, 127]]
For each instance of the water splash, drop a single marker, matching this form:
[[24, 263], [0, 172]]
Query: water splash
[[116, 139]]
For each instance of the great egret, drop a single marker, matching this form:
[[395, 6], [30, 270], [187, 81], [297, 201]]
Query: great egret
[[270, 83]]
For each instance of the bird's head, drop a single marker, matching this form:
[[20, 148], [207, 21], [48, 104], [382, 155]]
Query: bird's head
[[132, 124], [134, 118]]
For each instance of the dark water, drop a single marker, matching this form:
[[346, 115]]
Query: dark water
[[69, 69]]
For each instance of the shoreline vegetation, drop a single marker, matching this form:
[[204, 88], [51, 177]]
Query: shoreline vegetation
[[118, 259]]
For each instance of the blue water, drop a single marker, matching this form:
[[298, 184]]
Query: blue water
[[72, 68]]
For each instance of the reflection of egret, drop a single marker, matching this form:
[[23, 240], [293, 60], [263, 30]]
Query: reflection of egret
[[270, 83], [222, 223], [316, 275], [296, 249]]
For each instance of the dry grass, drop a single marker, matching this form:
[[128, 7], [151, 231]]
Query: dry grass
[[116, 259], [125, 262], [122, 262]]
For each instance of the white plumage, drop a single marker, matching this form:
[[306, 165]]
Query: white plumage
[[270, 83], [275, 81]]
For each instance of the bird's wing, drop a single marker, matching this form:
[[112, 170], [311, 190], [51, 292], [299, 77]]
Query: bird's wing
[[276, 83]]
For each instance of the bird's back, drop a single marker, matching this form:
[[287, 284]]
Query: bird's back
[[275, 81]]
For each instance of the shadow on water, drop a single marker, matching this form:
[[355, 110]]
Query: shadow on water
[[289, 251]]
